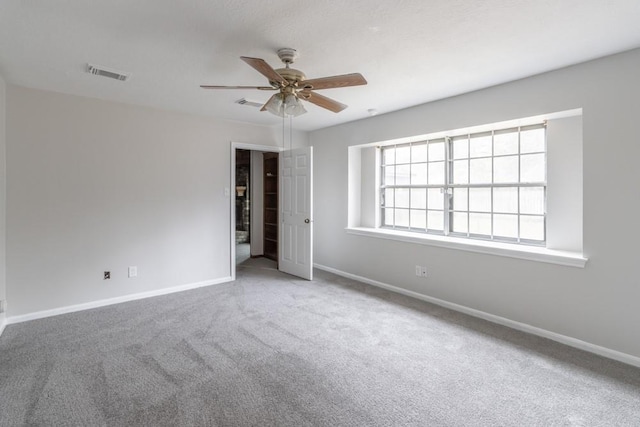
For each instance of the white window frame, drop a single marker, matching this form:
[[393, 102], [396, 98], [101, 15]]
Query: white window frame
[[448, 187], [564, 200]]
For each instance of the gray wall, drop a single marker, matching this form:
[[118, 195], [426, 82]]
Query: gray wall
[[3, 194], [597, 304], [96, 185]]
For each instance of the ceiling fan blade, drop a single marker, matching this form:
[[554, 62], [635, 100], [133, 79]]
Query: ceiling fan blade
[[238, 87], [265, 69], [344, 80], [321, 101]]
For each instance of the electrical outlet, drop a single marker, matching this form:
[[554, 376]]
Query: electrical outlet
[[107, 275], [133, 271], [421, 271]]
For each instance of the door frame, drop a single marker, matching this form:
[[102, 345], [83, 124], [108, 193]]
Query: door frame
[[232, 189]]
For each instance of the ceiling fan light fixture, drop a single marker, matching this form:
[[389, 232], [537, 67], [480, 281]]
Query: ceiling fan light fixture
[[293, 106], [274, 105]]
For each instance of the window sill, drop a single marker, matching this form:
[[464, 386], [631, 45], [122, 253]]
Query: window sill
[[531, 253]]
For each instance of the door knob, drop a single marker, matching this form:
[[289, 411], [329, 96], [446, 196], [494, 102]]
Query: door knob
[[306, 221]]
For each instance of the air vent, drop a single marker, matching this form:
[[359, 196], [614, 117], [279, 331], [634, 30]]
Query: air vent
[[106, 72], [244, 101]]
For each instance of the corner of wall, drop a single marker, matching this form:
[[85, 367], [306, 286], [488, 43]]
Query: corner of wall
[[3, 323], [3, 196]]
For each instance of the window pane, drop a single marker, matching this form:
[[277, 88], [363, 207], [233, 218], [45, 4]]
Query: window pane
[[505, 199], [435, 220], [480, 146], [403, 154], [532, 200], [461, 172], [436, 151], [436, 173], [532, 227], [419, 153], [480, 199], [402, 174], [388, 197], [419, 174], [460, 199], [418, 219], [460, 148], [480, 223], [532, 168], [435, 198], [388, 217], [480, 172], [402, 198], [418, 198], [505, 225], [388, 156], [389, 175], [532, 141], [505, 169], [505, 143], [459, 222], [402, 218]]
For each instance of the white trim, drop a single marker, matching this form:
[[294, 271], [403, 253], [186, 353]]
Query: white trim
[[111, 301], [564, 339], [3, 324], [232, 189], [531, 253]]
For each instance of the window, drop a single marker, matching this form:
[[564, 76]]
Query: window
[[489, 185]]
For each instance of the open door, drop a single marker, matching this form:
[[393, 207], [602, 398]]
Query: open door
[[296, 196]]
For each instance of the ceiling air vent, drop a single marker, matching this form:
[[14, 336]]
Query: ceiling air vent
[[106, 72], [244, 101]]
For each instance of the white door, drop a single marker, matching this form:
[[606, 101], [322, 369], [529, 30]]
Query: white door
[[296, 232]]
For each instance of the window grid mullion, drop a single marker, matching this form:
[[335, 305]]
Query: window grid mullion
[[519, 181], [410, 180], [468, 183], [447, 180], [426, 192], [395, 180], [492, 182]]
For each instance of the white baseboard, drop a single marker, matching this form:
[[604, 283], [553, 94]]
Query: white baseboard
[[111, 301], [572, 342]]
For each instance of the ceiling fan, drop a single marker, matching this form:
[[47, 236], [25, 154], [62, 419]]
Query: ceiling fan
[[292, 86]]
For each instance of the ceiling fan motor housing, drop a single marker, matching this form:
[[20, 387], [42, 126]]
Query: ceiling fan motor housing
[[291, 75]]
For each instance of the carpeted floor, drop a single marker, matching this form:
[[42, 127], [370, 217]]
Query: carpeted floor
[[272, 350]]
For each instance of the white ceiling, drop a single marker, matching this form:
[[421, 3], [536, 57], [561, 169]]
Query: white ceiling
[[410, 51]]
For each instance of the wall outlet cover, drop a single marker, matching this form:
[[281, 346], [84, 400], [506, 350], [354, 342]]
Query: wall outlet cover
[[133, 271]]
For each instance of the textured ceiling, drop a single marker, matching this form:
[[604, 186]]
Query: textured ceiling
[[410, 51]]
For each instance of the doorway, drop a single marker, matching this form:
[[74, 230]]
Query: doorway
[[254, 207], [294, 213]]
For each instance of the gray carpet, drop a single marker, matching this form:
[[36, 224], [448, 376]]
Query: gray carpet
[[271, 350]]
